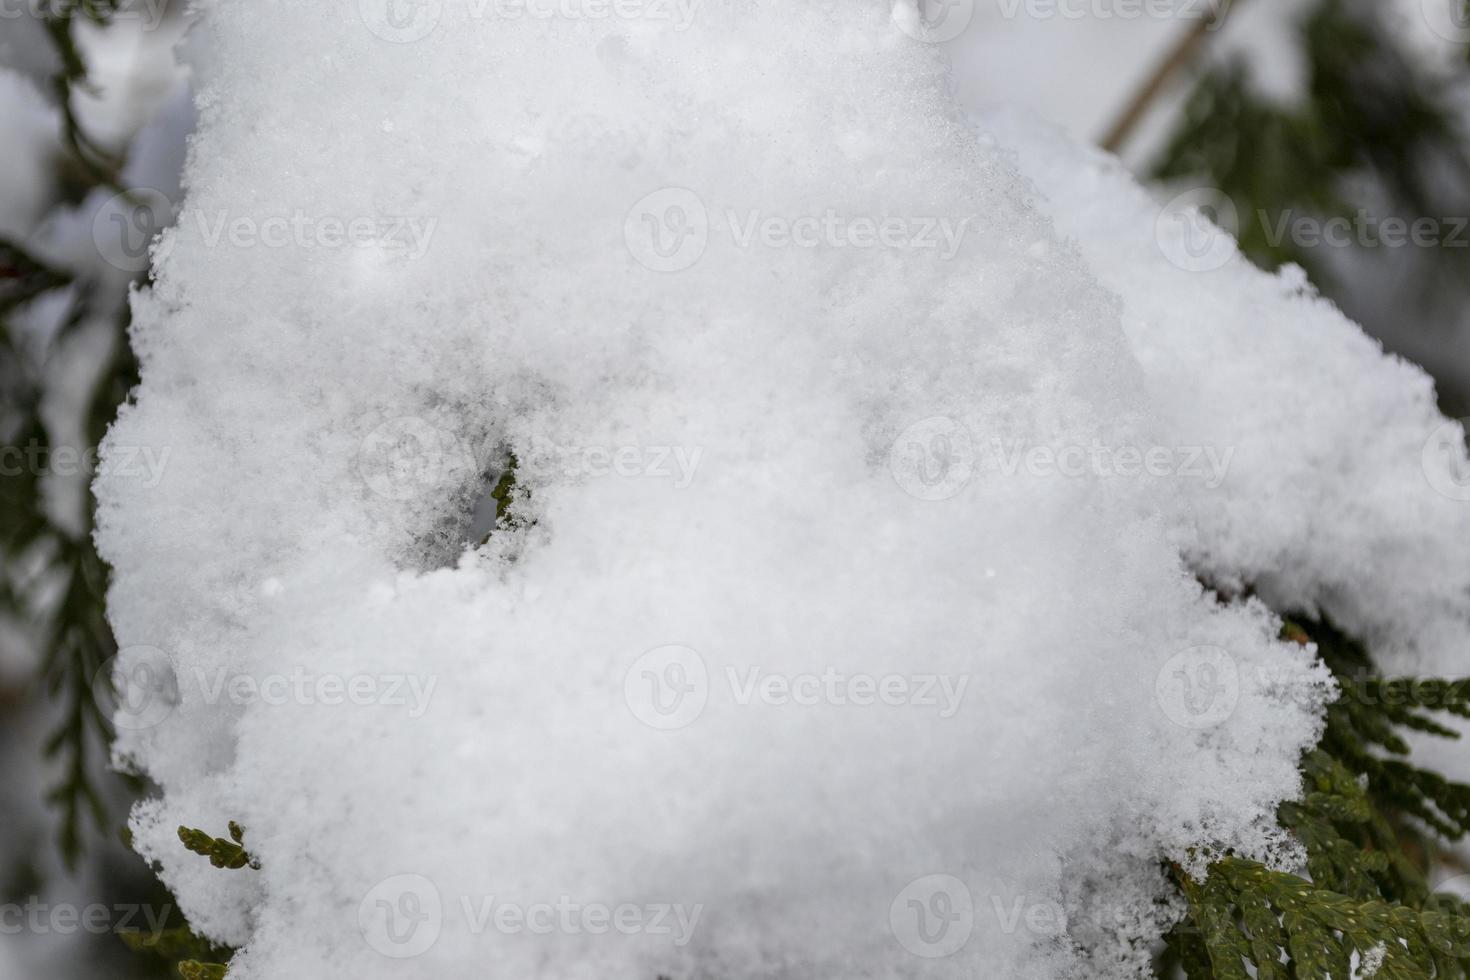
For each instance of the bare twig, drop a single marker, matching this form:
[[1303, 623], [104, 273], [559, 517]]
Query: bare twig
[[1180, 55]]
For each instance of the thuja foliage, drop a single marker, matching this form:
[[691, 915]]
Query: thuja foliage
[[222, 852], [196, 958], [74, 638], [1372, 825], [1369, 113]]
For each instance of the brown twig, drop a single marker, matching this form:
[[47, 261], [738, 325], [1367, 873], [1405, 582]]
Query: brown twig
[[1180, 55]]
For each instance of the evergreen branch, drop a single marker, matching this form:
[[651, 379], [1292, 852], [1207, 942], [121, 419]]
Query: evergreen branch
[[222, 853], [1367, 897]]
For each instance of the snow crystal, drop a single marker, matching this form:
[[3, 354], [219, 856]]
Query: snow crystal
[[842, 627]]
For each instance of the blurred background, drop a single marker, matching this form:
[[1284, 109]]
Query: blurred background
[[1333, 134]]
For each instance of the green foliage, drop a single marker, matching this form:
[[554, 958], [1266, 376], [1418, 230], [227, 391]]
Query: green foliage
[[222, 853], [97, 166], [194, 970], [177, 944], [1368, 111], [75, 639], [503, 493], [1368, 820], [1281, 926], [196, 957], [506, 491]]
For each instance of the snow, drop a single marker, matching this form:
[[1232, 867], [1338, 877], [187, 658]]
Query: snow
[[29, 133], [850, 627], [1347, 491]]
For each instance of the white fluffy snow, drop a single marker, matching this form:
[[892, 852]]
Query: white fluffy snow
[[1348, 493], [857, 631]]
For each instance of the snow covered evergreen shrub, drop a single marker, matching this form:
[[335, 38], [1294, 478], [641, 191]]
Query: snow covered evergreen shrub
[[844, 616]]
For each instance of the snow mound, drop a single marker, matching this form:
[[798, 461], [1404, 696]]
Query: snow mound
[[1348, 492], [842, 628]]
